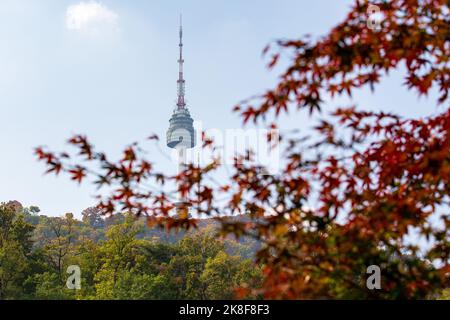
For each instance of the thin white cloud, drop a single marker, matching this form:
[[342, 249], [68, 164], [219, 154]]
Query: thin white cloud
[[91, 17]]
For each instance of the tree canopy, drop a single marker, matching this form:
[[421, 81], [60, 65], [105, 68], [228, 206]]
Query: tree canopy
[[122, 260]]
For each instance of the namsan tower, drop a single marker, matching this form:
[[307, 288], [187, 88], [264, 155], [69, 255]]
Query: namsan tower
[[181, 133]]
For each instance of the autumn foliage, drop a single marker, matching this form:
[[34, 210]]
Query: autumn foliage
[[377, 180]]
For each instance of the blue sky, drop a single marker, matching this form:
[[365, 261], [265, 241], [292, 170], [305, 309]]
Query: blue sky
[[108, 69]]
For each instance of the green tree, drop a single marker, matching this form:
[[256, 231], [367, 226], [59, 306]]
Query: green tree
[[223, 274], [58, 236], [187, 267], [15, 250], [89, 258], [48, 287], [93, 217], [121, 252]]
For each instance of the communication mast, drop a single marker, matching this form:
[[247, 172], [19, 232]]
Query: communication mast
[[181, 134]]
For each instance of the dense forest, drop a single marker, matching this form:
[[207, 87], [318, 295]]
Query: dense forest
[[119, 258]]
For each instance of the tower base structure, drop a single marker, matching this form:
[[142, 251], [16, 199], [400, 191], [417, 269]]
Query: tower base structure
[[182, 209]]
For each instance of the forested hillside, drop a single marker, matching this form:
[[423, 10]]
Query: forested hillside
[[119, 258]]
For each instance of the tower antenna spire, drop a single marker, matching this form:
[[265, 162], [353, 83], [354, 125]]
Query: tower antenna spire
[[181, 103]]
